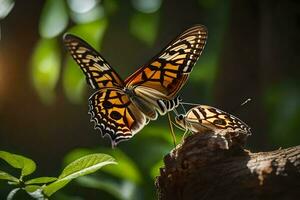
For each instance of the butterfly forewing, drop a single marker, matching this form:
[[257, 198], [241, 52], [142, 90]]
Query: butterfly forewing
[[98, 72], [168, 71], [216, 120]]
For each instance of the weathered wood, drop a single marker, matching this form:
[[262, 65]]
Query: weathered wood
[[203, 167]]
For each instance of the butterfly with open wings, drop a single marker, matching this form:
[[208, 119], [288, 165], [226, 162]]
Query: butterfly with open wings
[[120, 108]]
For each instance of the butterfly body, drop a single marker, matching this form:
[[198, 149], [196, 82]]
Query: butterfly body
[[204, 118], [120, 108]]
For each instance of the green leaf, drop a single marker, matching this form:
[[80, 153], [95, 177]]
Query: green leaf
[[86, 165], [32, 188], [12, 193], [41, 180], [54, 18], [45, 68], [27, 165], [83, 166], [8, 177], [145, 27], [73, 78], [132, 174]]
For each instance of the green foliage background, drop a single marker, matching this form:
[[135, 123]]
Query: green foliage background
[[43, 93]]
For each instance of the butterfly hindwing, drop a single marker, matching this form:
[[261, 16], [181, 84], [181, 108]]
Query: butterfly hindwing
[[98, 72], [168, 71], [115, 115]]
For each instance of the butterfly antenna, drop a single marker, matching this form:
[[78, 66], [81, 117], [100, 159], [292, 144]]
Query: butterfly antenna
[[245, 102], [191, 104], [236, 109], [172, 130]]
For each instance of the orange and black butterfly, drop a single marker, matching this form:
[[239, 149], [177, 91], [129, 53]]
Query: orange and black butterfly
[[122, 108]]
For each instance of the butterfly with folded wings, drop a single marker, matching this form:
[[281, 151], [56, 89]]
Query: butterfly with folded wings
[[202, 118], [120, 108]]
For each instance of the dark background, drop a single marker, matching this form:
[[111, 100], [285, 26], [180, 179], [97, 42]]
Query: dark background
[[252, 52]]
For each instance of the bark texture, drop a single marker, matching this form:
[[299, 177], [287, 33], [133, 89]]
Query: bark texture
[[208, 166]]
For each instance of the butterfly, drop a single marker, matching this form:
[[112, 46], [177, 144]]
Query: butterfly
[[203, 118], [120, 108]]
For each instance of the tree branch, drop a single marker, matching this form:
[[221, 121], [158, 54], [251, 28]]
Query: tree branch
[[210, 166]]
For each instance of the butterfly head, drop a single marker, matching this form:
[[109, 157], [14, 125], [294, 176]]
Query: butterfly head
[[180, 120]]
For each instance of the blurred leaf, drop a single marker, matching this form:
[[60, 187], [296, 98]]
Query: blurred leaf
[[8, 177], [54, 18], [110, 6], [160, 132], [74, 81], [282, 103], [5, 7], [83, 166], [123, 191], [91, 32], [46, 68], [76, 154], [109, 186], [12, 193], [156, 168], [41, 180], [80, 6], [73, 77], [124, 162], [146, 6], [145, 27], [93, 15], [85, 11], [27, 165], [205, 70]]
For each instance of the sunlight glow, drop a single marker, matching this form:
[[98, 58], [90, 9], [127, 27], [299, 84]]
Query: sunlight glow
[[5, 7]]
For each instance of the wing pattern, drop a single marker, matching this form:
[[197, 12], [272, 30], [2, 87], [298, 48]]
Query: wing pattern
[[115, 115], [98, 72], [121, 109], [168, 71], [216, 119]]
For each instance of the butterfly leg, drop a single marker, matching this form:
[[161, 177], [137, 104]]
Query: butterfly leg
[[186, 132], [172, 130]]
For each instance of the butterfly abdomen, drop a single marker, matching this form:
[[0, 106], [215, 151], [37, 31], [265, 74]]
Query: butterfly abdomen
[[169, 105]]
